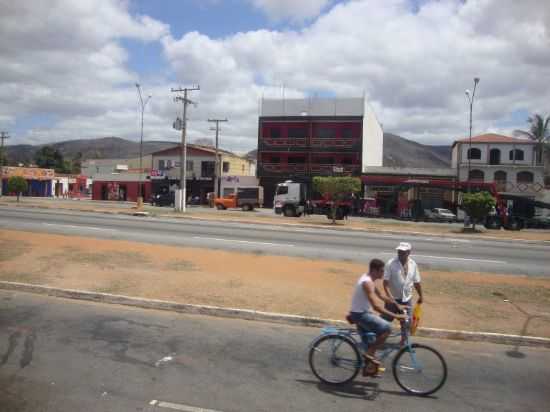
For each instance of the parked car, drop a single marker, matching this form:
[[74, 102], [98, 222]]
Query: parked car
[[440, 215], [538, 222], [246, 198], [165, 198]]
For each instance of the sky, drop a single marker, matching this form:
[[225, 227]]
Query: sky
[[69, 68]]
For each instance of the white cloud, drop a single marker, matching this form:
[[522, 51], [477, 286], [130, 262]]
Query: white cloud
[[293, 10], [66, 60]]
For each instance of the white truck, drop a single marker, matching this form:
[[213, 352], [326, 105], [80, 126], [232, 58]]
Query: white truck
[[291, 199]]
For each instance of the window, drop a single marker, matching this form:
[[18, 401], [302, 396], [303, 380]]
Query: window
[[474, 154], [516, 154], [207, 169], [226, 167], [326, 133], [275, 132], [282, 190], [189, 165], [525, 177], [297, 132], [500, 176], [494, 157], [275, 159], [162, 165], [296, 159], [476, 175], [346, 161], [347, 133]]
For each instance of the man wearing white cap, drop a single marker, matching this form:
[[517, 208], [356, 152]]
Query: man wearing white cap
[[400, 276]]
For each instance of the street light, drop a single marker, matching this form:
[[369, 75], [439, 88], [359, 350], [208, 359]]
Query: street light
[[143, 104], [471, 96]]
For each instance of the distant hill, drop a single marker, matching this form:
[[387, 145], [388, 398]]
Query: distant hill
[[103, 148], [401, 152], [398, 151]]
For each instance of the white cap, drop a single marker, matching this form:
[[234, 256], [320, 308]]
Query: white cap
[[404, 246]]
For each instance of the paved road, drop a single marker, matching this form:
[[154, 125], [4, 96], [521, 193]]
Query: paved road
[[431, 252], [63, 356]]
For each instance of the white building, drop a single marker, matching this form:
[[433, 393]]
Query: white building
[[508, 162]]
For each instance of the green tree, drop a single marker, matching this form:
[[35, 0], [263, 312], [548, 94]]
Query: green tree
[[539, 131], [76, 164], [18, 185], [50, 158], [478, 205], [336, 189]]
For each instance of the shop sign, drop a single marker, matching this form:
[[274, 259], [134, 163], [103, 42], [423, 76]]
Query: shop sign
[[29, 173]]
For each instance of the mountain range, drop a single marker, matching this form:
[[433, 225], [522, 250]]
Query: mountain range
[[398, 151]]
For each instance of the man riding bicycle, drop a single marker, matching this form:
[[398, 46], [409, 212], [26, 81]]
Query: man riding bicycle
[[361, 313]]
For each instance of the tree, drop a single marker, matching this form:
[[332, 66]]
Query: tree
[[478, 205], [539, 132], [18, 185], [336, 189], [76, 164], [50, 158]]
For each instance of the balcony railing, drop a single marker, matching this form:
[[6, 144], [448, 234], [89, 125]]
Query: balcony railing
[[280, 168], [334, 169], [283, 142], [335, 143]]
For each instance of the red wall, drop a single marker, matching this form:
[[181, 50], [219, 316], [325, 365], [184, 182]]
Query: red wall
[[131, 190]]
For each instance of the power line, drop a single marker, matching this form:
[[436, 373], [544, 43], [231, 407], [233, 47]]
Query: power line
[[217, 167], [183, 148]]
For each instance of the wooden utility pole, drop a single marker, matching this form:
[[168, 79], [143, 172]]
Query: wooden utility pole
[[3, 136], [218, 163], [183, 148]]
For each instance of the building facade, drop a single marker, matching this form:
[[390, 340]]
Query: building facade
[[201, 161], [99, 167], [511, 164], [39, 181], [302, 138]]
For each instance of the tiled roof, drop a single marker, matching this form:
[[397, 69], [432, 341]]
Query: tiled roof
[[493, 138]]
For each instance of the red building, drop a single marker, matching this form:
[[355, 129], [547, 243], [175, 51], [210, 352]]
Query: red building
[[123, 187], [302, 138]]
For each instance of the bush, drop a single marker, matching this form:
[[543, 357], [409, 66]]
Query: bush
[[18, 185]]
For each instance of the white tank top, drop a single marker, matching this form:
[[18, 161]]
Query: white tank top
[[360, 301]]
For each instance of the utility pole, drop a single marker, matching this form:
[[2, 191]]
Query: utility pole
[[140, 184], [3, 136], [218, 164], [183, 149]]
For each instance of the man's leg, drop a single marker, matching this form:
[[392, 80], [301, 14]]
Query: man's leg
[[404, 325]]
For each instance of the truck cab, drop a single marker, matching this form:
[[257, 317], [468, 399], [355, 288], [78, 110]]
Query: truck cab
[[290, 199]]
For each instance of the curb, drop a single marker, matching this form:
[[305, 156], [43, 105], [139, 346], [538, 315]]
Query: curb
[[253, 315], [124, 212]]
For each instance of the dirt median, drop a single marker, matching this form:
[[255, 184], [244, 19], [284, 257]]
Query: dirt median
[[315, 221], [454, 300]]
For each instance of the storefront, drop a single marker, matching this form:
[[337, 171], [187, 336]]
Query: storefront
[[39, 181], [407, 193], [121, 188]]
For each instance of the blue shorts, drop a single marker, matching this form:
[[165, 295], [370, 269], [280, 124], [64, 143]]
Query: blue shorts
[[370, 322]]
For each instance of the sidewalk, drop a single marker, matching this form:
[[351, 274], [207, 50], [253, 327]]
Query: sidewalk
[[264, 216]]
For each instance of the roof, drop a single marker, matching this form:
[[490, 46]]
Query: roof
[[121, 177], [192, 146], [494, 138], [410, 171], [352, 106]]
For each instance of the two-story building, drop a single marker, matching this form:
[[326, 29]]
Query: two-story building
[[201, 161], [302, 138], [509, 162]]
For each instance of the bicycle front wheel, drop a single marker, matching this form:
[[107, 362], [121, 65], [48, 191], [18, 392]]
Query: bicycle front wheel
[[420, 370], [335, 359]]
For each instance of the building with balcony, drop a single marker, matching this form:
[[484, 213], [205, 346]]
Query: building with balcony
[[201, 163], [511, 163], [302, 138]]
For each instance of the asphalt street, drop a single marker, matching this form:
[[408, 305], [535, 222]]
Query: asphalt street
[[65, 356], [441, 253]]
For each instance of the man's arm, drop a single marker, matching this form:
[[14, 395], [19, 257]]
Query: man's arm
[[418, 288], [369, 289], [383, 296]]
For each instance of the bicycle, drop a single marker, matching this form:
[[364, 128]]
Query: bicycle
[[340, 350]]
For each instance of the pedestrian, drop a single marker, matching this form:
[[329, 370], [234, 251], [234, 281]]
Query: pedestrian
[[400, 276]]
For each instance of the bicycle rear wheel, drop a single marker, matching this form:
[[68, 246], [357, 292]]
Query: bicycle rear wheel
[[335, 359], [420, 371]]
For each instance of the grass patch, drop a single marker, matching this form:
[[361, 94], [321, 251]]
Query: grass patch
[[11, 249], [180, 265]]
